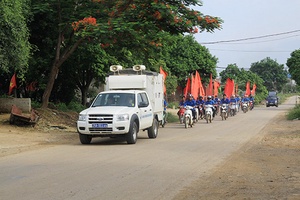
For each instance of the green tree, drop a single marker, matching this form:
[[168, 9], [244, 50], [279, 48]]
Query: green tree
[[273, 74], [184, 55], [232, 71], [241, 77], [85, 66], [294, 65], [113, 22], [14, 34]]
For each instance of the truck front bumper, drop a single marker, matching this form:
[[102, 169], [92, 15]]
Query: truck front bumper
[[120, 127]]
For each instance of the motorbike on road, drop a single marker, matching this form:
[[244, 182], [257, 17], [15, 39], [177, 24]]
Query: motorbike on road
[[232, 109], [209, 113], [251, 105], [245, 107], [188, 117], [180, 114], [224, 111]]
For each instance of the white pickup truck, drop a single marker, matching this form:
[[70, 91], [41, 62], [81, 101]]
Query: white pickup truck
[[132, 101]]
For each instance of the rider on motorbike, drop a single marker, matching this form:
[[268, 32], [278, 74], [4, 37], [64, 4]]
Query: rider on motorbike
[[233, 101], [181, 105], [251, 99], [199, 104], [224, 100], [191, 102], [211, 102], [245, 99], [181, 102], [238, 100], [216, 99]]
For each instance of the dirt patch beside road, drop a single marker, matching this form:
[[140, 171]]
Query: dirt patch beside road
[[54, 127]]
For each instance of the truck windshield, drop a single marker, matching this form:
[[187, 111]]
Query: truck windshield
[[114, 99]]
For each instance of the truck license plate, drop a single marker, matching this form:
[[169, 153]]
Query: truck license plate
[[99, 125]]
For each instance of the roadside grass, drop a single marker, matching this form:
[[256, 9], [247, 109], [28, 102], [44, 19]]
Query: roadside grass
[[171, 118], [294, 113]]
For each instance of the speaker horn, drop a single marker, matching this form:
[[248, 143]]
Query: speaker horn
[[138, 68], [115, 68]]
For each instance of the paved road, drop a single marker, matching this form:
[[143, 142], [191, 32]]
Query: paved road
[[110, 169]]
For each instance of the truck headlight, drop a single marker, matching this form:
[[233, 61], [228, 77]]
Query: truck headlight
[[82, 117], [123, 117]]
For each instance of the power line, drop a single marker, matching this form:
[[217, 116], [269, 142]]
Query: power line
[[251, 38], [251, 51]]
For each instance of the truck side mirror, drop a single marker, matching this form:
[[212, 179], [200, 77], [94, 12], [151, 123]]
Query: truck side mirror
[[143, 105]]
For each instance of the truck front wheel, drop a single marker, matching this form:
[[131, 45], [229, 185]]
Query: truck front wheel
[[153, 130], [131, 136], [85, 139]]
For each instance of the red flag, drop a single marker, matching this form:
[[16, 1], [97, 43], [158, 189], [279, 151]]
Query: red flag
[[210, 87], [229, 87], [247, 88], [253, 90], [233, 88], [165, 74], [216, 87], [195, 85], [201, 89], [13, 84], [187, 88]]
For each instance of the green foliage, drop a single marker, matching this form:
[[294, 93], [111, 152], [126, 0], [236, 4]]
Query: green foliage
[[294, 65], [172, 104], [184, 55], [241, 77], [171, 118], [134, 27], [35, 104], [294, 113], [273, 74], [232, 71], [62, 106], [75, 106], [14, 34]]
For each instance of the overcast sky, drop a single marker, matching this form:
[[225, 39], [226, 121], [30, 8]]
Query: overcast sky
[[248, 19]]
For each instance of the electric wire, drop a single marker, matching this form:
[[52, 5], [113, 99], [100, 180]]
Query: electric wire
[[251, 38]]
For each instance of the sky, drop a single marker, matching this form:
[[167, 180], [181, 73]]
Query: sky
[[250, 19]]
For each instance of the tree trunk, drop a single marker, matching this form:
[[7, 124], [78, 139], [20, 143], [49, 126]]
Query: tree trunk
[[59, 60], [83, 96], [49, 87]]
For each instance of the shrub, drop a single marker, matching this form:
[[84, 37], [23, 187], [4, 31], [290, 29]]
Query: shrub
[[171, 118], [75, 106], [294, 113]]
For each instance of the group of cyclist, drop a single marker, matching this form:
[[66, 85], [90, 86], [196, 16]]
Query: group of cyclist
[[199, 103]]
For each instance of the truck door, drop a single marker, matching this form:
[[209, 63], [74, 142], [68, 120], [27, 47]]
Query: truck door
[[146, 113]]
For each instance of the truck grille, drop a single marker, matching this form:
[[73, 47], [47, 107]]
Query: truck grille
[[101, 119]]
